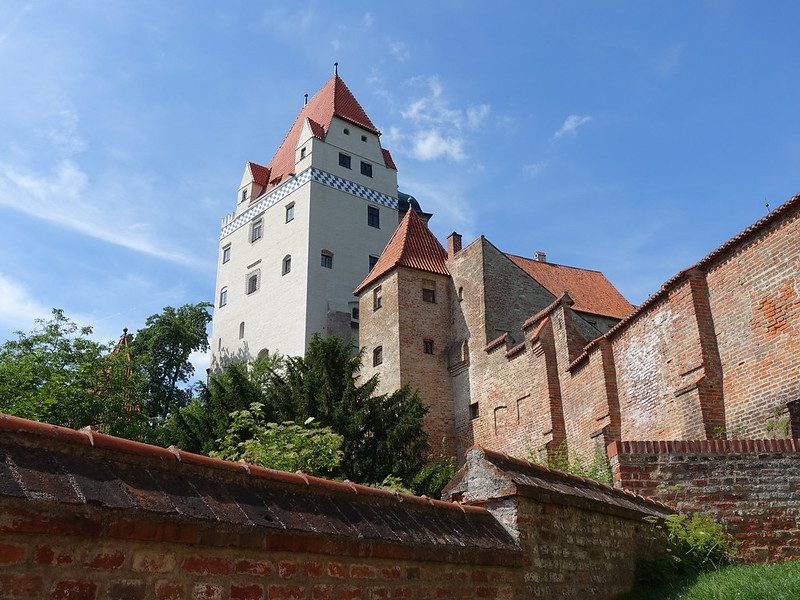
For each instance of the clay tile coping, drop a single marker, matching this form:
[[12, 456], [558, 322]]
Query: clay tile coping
[[88, 436], [568, 477], [495, 343]]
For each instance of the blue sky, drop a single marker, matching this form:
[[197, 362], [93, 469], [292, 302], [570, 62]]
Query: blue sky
[[628, 137]]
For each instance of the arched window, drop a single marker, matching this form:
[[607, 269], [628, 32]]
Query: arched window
[[241, 330], [223, 297], [377, 356], [287, 264]]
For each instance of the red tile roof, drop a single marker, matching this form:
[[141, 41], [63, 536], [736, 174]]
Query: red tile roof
[[412, 245], [387, 159], [333, 100], [590, 290], [260, 173]]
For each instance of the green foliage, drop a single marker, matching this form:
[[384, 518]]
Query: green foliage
[[162, 348], [435, 474], [58, 375], [286, 446], [693, 544], [382, 434], [777, 425], [596, 468], [773, 581]]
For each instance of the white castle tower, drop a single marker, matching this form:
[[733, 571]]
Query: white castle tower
[[307, 229]]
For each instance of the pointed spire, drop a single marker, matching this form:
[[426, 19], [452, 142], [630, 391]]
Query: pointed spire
[[413, 246]]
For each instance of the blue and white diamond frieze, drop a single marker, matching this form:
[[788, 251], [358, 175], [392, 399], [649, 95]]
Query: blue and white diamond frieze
[[287, 188]]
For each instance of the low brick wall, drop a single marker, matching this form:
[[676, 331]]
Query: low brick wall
[[751, 486], [580, 539]]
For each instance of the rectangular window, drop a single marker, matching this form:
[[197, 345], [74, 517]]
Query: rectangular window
[[377, 299], [257, 230], [373, 217], [287, 265], [223, 297], [244, 195], [428, 290], [373, 260], [474, 413], [354, 313], [326, 260], [344, 160], [290, 212], [226, 253], [302, 153], [366, 169], [427, 346]]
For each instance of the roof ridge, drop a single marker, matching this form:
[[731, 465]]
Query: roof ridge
[[552, 264]]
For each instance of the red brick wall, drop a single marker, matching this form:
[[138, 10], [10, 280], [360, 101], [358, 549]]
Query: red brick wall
[[754, 292], [82, 555], [751, 486]]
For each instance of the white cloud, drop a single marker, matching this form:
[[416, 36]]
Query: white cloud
[[368, 20], [533, 169], [63, 195], [18, 308], [431, 144], [571, 124], [439, 129], [400, 51]]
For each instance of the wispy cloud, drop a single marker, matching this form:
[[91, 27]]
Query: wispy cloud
[[571, 125], [439, 130], [18, 308], [533, 169], [400, 51], [368, 20]]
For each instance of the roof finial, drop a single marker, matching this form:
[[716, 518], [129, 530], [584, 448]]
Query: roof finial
[[124, 331], [306, 99], [336, 69]]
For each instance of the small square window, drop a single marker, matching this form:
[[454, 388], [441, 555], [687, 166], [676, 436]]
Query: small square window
[[226, 253], [366, 169], [290, 212], [428, 295], [223, 297], [326, 260], [427, 346], [363, 138], [377, 356], [373, 217], [344, 160], [287, 265], [257, 230], [373, 260], [474, 413]]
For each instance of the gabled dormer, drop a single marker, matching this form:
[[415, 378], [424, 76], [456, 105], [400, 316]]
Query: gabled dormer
[[254, 182]]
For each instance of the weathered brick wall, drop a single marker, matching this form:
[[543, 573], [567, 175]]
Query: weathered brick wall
[[81, 555], [581, 539], [754, 292], [751, 486]]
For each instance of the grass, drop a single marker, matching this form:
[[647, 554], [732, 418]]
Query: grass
[[773, 581]]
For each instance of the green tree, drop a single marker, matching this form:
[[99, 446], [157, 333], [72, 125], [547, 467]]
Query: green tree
[[162, 348], [285, 446], [58, 375]]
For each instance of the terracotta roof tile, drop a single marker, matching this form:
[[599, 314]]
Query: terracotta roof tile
[[413, 246], [590, 290], [388, 160], [334, 99], [260, 173]]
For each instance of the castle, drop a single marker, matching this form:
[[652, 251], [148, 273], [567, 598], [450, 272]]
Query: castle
[[515, 354]]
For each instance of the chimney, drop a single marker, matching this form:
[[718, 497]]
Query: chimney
[[453, 244], [540, 257]]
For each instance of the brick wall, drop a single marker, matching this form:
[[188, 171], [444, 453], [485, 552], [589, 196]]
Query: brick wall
[[751, 486], [580, 539]]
